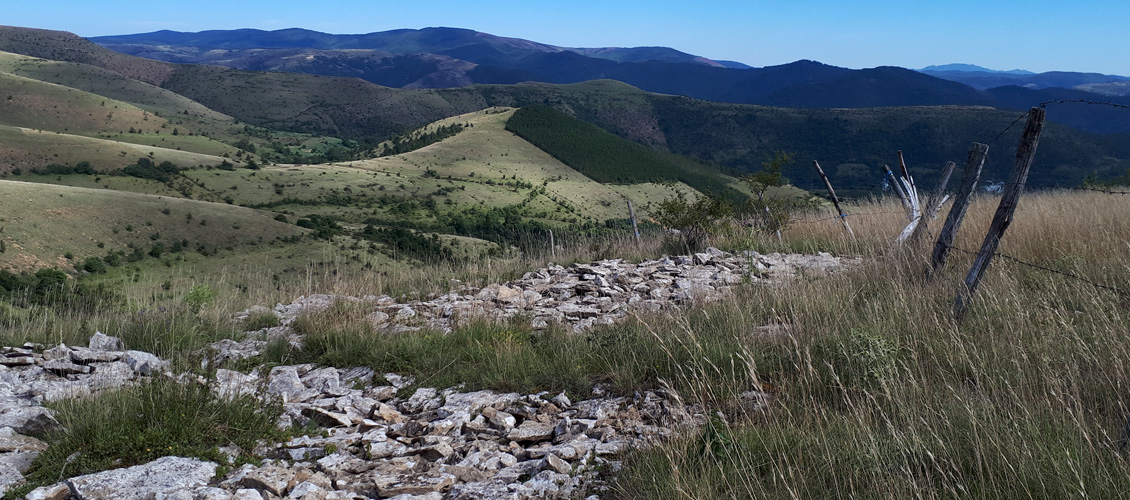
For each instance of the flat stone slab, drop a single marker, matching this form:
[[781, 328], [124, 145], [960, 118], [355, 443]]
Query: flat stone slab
[[155, 479]]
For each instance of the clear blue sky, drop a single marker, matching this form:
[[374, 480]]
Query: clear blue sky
[[1037, 35]]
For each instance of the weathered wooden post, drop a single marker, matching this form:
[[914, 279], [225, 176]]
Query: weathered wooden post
[[1025, 153], [973, 164], [905, 172], [635, 228], [897, 187], [835, 200], [934, 203], [552, 246]]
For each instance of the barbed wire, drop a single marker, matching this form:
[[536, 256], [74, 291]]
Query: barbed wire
[[1048, 269], [1084, 101], [1009, 127], [834, 217], [1044, 105]]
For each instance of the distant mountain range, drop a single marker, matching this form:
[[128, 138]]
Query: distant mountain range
[[451, 57], [983, 78]]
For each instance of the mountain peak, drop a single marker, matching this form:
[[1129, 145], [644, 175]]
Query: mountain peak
[[973, 68]]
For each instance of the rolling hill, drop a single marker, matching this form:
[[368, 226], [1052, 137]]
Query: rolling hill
[[737, 136], [42, 224]]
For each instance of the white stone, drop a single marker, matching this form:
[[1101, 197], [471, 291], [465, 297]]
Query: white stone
[[162, 476]]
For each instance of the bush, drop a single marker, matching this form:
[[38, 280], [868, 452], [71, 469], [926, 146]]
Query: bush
[[94, 265], [199, 296], [694, 219]]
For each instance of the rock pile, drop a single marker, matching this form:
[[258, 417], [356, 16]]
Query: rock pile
[[373, 438], [582, 295], [31, 375]]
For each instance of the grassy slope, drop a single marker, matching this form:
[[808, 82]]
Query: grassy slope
[[106, 83], [480, 154], [42, 223], [84, 126], [35, 104], [28, 148]]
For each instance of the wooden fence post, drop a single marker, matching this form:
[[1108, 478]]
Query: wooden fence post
[[552, 246], [896, 185], [934, 203], [835, 200], [973, 164], [1025, 153], [635, 228], [905, 172]]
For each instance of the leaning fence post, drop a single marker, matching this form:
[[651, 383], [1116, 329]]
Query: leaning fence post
[[835, 200], [969, 178], [905, 172], [635, 228], [896, 185], [934, 203], [1025, 153]]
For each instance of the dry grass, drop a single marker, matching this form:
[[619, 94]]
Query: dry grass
[[881, 394]]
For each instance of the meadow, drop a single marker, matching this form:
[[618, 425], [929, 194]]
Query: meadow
[[876, 390]]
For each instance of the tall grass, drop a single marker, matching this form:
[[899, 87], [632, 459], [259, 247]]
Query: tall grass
[[881, 394]]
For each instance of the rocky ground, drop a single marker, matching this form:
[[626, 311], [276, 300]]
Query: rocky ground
[[374, 439]]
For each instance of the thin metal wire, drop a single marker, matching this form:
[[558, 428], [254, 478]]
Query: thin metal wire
[[1048, 269]]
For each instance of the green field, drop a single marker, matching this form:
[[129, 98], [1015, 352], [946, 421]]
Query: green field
[[42, 224]]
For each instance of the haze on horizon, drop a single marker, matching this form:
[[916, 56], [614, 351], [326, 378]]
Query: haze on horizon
[[1036, 35]]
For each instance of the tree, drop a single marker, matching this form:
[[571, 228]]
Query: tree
[[774, 213]]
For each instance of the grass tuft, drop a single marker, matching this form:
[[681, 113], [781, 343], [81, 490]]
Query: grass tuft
[[135, 425]]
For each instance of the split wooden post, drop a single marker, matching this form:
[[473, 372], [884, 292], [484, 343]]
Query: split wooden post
[[934, 203], [973, 165], [896, 185], [905, 172], [835, 200], [552, 246], [1025, 153], [635, 228]]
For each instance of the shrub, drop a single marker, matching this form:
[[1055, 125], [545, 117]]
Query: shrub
[[94, 265], [199, 296]]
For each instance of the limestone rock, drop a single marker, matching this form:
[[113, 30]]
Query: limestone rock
[[160, 477], [30, 420], [144, 364], [274, 480], [59, 491]]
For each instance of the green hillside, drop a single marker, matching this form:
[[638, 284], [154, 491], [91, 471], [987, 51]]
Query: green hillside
[[42, 225], [853, 143], [103, 82], [483, 167], [40, 105], [25, 149], [607, 158]]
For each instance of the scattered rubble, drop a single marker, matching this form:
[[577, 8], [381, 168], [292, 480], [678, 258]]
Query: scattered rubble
[[374, 440]]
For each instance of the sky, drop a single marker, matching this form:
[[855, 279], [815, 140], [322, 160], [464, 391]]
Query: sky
[[1035, 35]]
